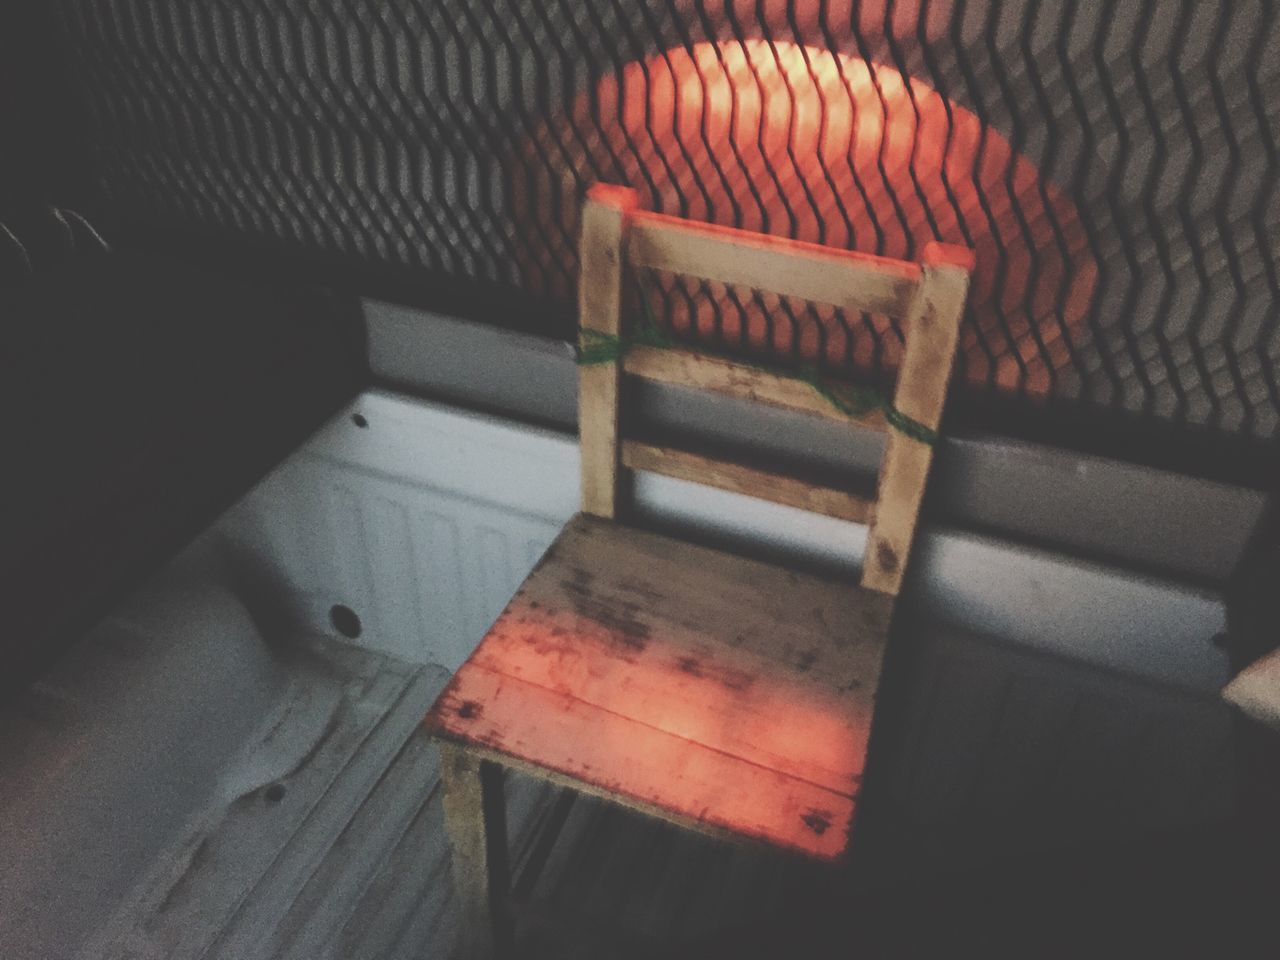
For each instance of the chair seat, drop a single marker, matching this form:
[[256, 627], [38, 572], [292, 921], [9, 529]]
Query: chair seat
[[726, 694]]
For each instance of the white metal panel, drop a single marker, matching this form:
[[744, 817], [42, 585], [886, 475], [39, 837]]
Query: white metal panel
[[425, 571], [426, 519]]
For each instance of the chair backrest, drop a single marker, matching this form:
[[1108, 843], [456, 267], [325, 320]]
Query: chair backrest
[[927, 296]]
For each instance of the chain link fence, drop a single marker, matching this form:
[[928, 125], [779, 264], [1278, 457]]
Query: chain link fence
[[1113, 165]]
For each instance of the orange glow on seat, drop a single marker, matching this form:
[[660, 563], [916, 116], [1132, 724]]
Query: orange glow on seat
[[793, 726], [793, 140], [726, 693]]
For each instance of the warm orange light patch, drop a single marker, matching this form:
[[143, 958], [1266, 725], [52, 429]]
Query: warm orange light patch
[[770, 717], [787, 139], [530, 726]]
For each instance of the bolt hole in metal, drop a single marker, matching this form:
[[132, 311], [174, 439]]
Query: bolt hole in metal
[[344, 620]]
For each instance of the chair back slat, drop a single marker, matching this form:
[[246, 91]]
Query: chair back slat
[[687, 368], [751, 481], [928, 297], [792, 268]]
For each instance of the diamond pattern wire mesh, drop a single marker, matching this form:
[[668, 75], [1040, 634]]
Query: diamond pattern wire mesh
[[1114, 165]]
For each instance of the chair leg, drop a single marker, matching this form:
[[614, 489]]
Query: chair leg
[[475, 819]]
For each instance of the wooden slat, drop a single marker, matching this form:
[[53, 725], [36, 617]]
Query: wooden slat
[[604, 224], [687, 368], [636, 585], [853, 281], [684, 465], [933, 328], [558, 737], [696, 652], [734, 703]]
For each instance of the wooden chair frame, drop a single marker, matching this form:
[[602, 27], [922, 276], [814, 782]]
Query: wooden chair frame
[[929, 297]]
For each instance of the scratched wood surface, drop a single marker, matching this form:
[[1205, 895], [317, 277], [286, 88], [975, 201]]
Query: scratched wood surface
[[723, 691]]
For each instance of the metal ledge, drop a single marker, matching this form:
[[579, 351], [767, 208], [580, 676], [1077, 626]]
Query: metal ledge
[[1146, 520]]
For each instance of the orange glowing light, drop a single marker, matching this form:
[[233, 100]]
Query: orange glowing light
[[789, 139]]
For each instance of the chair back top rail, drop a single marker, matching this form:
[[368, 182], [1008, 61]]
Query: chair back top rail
[[853, 281], [927, 296]]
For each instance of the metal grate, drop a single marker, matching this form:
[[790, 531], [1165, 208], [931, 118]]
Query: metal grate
[[1115, 166]]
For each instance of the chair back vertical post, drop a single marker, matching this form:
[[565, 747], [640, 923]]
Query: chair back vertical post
[[603, 242], [932, 330]]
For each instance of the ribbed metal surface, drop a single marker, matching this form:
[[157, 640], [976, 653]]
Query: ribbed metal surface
[[1115, 166]]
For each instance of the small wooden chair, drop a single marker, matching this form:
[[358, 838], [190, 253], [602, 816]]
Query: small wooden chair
[[726, 695]]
